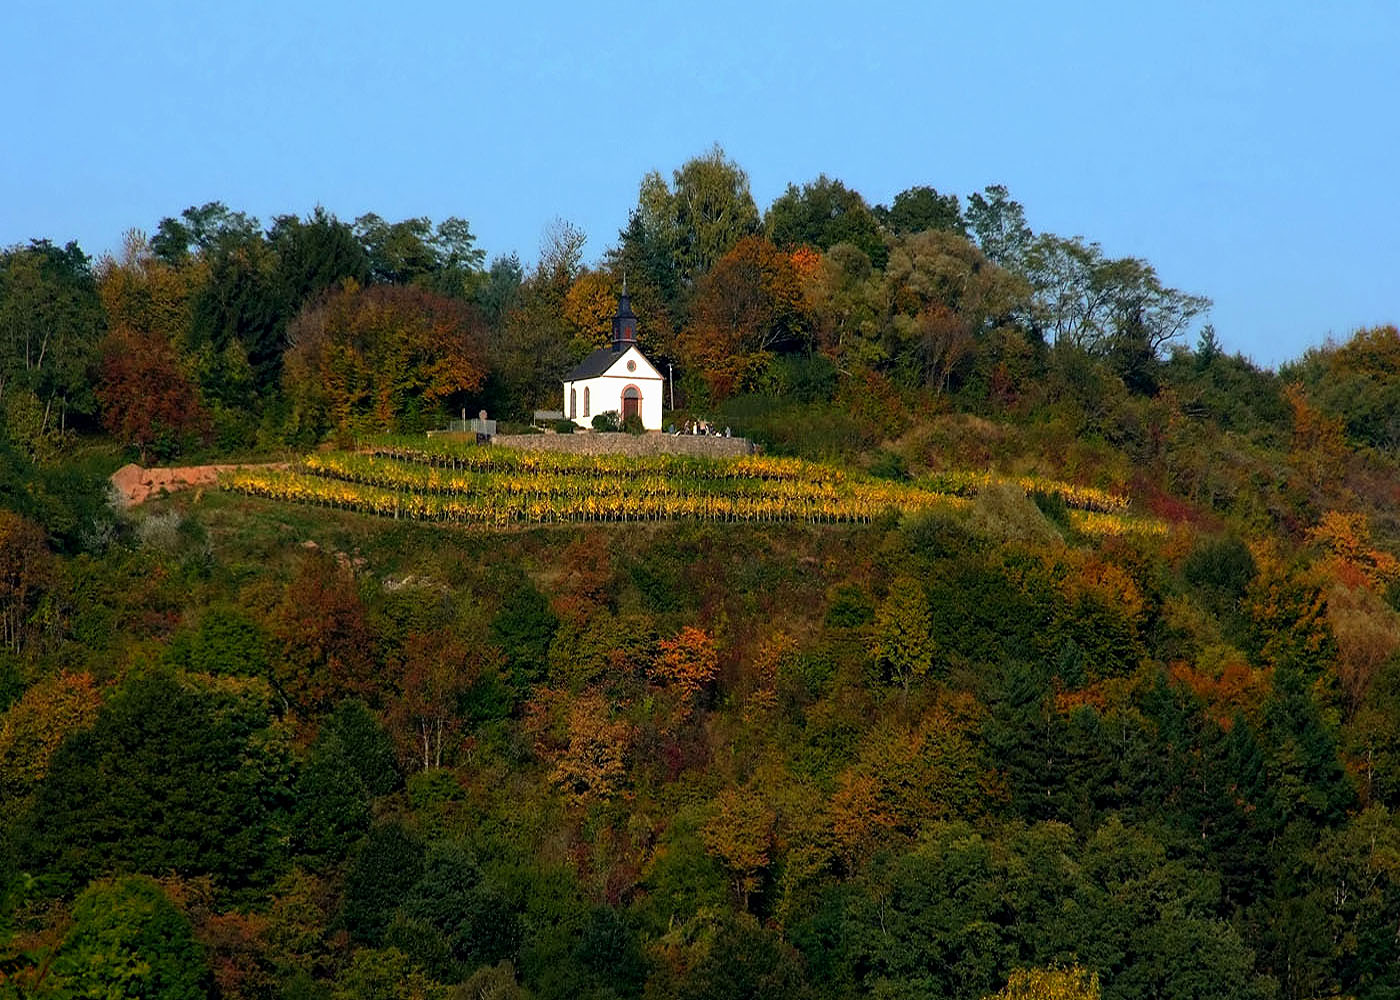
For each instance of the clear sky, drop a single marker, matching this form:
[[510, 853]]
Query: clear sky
[[1250, 150]]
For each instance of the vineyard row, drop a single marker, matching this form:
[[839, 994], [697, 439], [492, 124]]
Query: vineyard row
[[500, 508]]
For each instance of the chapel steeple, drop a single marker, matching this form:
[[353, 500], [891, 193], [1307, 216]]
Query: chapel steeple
[[624, 323]]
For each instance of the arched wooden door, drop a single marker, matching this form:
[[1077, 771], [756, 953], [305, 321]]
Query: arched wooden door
[[631, 402]]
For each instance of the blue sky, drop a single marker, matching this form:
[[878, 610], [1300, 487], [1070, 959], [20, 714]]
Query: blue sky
[[1248, 150]]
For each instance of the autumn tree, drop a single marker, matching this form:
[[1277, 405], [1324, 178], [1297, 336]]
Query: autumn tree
[[740, 834], [591, 764], [141, 292], [32, 729], [1071, 983], [437, 669], [26, 572], [148, 400], [1358, 383], [324, 647], [589, 307], [858, 817], [1352, 556], [747, 307], [381, 358], [688, 662]]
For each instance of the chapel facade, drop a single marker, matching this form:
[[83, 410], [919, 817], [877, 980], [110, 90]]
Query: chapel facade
[[617, 378]]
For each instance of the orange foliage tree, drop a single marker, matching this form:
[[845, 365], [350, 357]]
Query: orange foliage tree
[[141, 292], [590, 761], [748, 306], [859, 816], [1367, 631], [381, 358], [907, 776], [1319, 444], [589, 307], [1347, 538], [436, 670], [688, 662]]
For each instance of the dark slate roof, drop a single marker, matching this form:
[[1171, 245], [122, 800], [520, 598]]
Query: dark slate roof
[[594, 365]]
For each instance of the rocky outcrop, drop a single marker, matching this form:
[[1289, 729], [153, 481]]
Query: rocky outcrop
[[135, 485]]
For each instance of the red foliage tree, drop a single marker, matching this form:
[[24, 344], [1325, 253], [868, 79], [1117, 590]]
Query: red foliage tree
[[26, 573], [328, 649], [147, 398]]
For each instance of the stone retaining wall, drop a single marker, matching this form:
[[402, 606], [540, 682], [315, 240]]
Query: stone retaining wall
[[654, 443]]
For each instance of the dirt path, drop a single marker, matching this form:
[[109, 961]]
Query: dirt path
[[136, 485]]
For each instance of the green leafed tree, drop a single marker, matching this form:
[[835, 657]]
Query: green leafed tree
[[201, 229], [51, 322], [999, 225], [129, 940], [316, 253], [168, 779], [917, 209], [821, 214], [444, 258], [701, 215]]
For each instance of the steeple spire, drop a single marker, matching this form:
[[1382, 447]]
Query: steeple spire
[[625, 322]]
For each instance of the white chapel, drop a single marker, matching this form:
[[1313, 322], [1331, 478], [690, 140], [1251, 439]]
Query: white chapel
[[617, 378]]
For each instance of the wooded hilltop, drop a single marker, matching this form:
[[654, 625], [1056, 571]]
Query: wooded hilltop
[[1048, 649]]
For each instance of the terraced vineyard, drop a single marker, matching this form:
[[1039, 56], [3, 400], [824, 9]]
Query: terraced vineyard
[[498, 487]]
